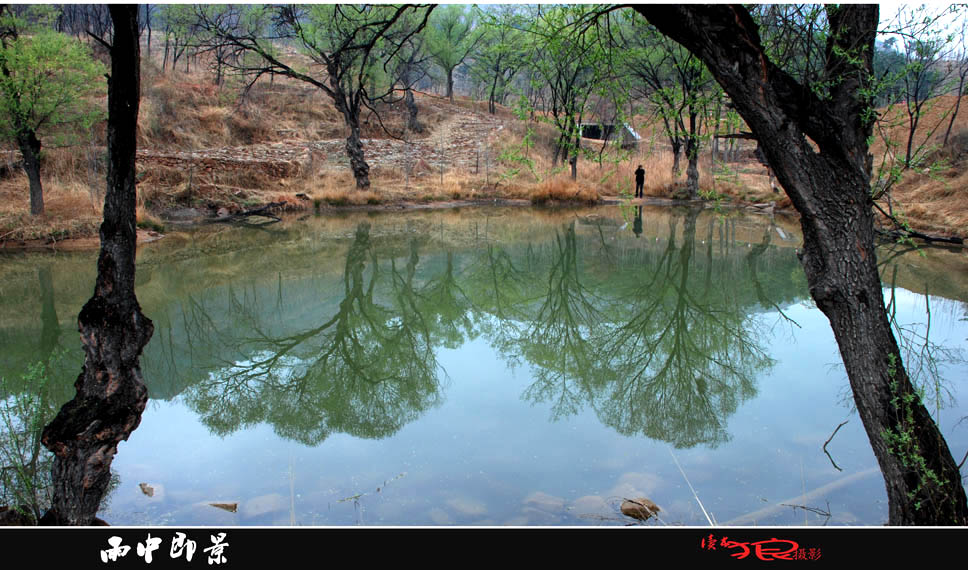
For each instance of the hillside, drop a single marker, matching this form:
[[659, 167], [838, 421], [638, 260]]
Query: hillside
[[205, 152]]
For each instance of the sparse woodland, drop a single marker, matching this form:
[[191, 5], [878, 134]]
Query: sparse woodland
[[332, 105], [455, 103]]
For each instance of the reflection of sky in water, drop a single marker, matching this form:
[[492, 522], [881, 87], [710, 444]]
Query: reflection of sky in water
[[487, 437], [486, 456]]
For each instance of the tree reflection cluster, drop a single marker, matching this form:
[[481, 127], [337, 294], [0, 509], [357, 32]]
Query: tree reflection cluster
[[660, 339]]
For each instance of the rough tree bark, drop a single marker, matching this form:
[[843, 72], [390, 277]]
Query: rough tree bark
[[413, 125], [110, 392], [354, 144], [830, 187], [29, 146]]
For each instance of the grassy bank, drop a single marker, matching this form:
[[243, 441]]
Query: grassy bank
[[203, 149]]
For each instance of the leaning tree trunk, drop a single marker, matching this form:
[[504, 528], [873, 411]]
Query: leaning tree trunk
[[831, 190], [954, 112], [30, 149], [111, 395], [923, 482]]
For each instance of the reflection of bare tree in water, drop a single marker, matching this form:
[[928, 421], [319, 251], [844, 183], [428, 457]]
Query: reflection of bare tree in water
[[652, 340], [924, 358], [557, 341], [448, 308], [757, 278], [502, 290], [25, 465], [686, 357], [27, 403], [671, 359], [367, 370], [500, 285]]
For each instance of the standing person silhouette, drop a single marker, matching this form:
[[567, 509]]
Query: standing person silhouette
[[639, 182]]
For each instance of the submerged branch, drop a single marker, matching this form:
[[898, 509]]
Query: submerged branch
[[829, 439]]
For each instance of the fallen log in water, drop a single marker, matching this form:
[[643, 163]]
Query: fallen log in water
[[757, 517], [261, 212]]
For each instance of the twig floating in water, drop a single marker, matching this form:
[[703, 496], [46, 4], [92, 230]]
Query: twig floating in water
[[820, 512], [828, 441]]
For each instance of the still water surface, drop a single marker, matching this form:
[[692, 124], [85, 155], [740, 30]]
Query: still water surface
[[492, 367]]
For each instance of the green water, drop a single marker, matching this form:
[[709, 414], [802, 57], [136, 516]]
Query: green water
[[490, 367]]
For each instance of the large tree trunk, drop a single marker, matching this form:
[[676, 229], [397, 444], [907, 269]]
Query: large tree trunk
[[354, 149], [350, 109], [110, 392], [831, 190], [30, 149], [413, 124]]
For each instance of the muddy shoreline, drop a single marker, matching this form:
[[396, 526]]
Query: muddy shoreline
[[183, 218]]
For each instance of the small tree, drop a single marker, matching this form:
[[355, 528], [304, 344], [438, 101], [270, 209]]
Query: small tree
[[48, 82], [680, 90], [569, 66], [502, 52], [452, 36], [925, 76], [349, 47]]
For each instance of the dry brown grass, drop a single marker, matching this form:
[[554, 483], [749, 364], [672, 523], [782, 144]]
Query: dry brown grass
[[189, 116], [500, 111], [611, 173], [430, 186], [936, 114], [182, 111], [347, 198], [932, 198], [68, 211], [146, 219], [561, 189], [330, 180], [935, 202]]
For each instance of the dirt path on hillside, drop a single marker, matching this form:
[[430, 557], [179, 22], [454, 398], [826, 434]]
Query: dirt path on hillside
[[456, 143]]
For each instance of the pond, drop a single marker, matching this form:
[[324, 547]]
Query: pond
[[488, 366]]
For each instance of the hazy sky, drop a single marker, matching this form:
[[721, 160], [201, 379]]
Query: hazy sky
[[950, 21]]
